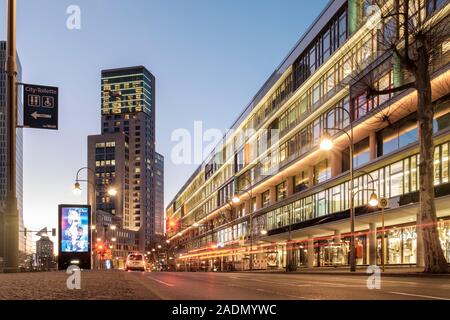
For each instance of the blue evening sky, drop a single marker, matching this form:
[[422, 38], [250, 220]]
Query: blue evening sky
[[209, 57]]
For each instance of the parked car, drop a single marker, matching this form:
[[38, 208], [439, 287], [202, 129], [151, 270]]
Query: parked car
[[135, 261]]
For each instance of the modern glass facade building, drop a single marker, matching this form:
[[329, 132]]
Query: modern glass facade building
[[3, 145], [159, 194], [124, 156], [294, 197]]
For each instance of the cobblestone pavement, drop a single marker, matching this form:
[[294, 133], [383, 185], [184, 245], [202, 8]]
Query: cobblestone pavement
[[120, 285], [97, 285]]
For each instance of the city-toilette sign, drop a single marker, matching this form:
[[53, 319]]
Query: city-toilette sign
[[40, 107]]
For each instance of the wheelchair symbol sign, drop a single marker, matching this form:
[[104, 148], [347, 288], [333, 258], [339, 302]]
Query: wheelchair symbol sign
[[48, 102]]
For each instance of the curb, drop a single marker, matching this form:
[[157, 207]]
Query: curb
[[383, 274]]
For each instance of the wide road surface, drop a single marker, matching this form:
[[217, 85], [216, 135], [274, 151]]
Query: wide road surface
[[260, 286]]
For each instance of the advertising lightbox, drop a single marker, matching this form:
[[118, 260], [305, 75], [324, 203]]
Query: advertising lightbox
[[74, 245]]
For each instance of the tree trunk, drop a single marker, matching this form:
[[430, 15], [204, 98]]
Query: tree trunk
[[433, 255]]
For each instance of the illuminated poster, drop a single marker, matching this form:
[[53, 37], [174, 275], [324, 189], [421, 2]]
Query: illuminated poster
[[74, 229]]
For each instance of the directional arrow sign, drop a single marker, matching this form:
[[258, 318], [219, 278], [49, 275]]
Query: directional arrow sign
[[36, 115], [40, 107]]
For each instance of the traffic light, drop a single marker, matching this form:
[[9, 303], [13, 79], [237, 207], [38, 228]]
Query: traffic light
[[54, 232], [25, 231], [100, 248]]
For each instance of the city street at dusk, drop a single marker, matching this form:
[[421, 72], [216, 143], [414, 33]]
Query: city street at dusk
[[119, 285], [178, 155]]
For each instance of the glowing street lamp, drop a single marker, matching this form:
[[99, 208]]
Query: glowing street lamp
[[326, 143], [235, 199], [77, 188], [112, 192], [373, 201]]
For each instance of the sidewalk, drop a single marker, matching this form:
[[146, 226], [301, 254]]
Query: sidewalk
[[95, 285], [390, 271]]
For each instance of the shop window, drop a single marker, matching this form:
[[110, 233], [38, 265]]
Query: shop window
[[301, 181], [317, 130], [321, 204], [305, 140], [283, 152], [281, 191], [441, 118], [322, 172], [316, 93], [433, 5], [362, 105], [253, 205], [342, 28], [441, 164], [326, 45], [304, 104], [398, 135], [396, 179], [265, 198], [361, 153], [239, 160]]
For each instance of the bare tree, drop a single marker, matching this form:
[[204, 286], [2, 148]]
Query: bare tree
[[413, 33]]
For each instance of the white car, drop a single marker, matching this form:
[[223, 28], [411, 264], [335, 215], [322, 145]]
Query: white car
[[135, 261]]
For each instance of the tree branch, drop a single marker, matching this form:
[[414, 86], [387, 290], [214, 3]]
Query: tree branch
[[405, 60], [371, 92]]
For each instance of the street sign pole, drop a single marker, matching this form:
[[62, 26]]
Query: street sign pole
[[11, 221], [383, 203]]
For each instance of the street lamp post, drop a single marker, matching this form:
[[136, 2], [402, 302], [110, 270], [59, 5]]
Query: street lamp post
[[11, 217], [78, 190], [327, 144]]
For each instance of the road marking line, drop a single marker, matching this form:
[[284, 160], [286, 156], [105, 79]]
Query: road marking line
[[418, 295], [284, 294], [165, 283]]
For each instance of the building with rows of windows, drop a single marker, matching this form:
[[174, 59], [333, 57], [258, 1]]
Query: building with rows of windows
[[294, 196], [123, 157], [19, 153]]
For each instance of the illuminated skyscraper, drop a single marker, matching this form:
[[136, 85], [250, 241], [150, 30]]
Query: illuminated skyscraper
[[123, 156]]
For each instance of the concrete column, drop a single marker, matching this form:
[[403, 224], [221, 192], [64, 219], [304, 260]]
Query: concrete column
[[310, 176], [248, 205], [337, 237], [291, 261], [373, 145], [310, 252], [273, 194], [335, 163], [372, 244], [290, 186], [258, 201]]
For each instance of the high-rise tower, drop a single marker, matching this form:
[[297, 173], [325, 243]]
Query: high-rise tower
[[125, 151]]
